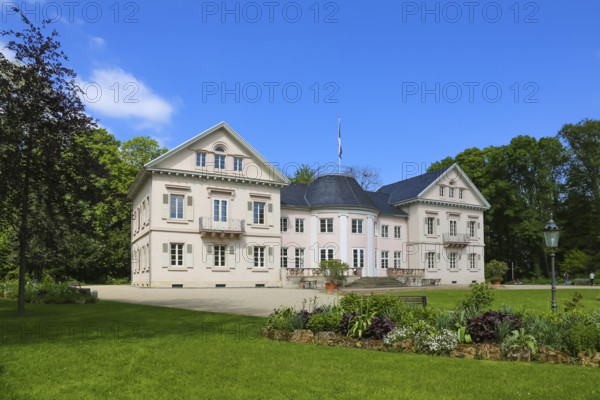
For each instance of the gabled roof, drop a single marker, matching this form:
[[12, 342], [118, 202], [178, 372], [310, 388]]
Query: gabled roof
[[411, 188], [222, 125], [414, 188], [154, 165]]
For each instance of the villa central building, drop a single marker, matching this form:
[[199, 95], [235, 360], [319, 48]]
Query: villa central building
[[213, 212]]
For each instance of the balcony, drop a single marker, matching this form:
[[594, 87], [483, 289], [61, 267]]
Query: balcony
[[222, 229], [458, 240]]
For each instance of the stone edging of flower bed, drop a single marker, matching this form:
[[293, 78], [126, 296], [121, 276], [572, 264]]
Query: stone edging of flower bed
[[483, 351]]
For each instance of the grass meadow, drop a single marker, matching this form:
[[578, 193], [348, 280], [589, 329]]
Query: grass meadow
[[126, 351]]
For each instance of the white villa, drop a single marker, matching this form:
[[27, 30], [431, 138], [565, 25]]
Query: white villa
[[213, 212]]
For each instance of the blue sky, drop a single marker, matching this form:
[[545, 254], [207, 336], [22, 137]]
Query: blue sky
[[413, 81]]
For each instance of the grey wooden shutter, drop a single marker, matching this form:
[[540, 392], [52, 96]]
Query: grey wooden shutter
[[165, 255], [165, 206], [190, 208], [189, 256]]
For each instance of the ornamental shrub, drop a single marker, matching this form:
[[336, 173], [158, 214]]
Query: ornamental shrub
[[285, 319], [484, 327], [479, 298], [582, 338], [324, 322]]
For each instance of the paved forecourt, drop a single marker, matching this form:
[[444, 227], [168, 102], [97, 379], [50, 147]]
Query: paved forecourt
[[244, 301], [253, 301]]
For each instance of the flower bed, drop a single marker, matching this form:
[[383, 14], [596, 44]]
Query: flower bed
[[385, 323]]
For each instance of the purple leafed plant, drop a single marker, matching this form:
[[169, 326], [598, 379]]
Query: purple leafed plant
[[483, 328]]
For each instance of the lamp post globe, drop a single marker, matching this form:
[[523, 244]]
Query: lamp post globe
[[551, 236]]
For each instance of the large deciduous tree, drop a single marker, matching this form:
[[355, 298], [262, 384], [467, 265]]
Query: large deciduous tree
[[41, 114]]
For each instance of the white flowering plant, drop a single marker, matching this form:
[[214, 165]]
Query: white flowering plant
[[425, 337]]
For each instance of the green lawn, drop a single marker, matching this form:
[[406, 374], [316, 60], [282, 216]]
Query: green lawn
[[112, 350], [532, 300]]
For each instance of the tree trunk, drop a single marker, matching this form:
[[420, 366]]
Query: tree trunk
[[23, 244]]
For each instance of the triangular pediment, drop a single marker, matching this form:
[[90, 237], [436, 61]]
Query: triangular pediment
[[201, 154], [453, 186]]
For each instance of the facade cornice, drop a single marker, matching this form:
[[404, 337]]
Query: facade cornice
[[209, 176], [441, 204]]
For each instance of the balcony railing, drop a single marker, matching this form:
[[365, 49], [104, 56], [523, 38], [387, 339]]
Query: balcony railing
[[230, 226], [315, 272], [457, 240], [403, 272]]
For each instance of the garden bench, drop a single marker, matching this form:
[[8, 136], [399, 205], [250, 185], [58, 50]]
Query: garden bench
[[418, 300]]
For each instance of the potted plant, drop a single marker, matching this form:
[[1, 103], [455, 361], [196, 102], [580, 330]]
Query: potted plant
[[333, 271], [495, 270]]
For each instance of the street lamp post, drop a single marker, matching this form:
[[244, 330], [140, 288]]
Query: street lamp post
[[551, 234]]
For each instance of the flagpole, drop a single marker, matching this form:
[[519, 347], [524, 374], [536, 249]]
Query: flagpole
[[339, 143]]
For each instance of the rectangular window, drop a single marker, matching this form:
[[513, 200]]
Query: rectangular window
[[430, 222], [220, 210], [284, 257], [219, 252], [357, 226], [451, 192], [385, 231], [259, 256], [326, 254], [176, 206], [460, 193], [452, 260], [397, 232], [472, 231], [299, 258], [385, 259], [430, 260], [237, 163], [176, 254], [326, 225], [472, 261], [219, 161], [397, 259], [358, 258], [442, 191], [299, 225], [259, 212], [200, 159], [283, 224], [453, 231]]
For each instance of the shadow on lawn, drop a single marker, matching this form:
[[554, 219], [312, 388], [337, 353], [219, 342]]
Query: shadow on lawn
[[72, 323]]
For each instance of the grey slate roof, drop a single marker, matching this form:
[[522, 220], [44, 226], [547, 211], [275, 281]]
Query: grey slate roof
[[410, 188], [343, 191], [381, 201], [335, 191], [293, 195]]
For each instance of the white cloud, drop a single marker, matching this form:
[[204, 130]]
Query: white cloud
[[115, 93], [97, 43], [9, 54]]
